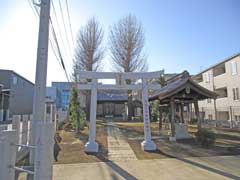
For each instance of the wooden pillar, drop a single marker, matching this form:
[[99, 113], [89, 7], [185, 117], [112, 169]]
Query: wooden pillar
[[160, 116], [181, 108], [172, 105], [197, 113]]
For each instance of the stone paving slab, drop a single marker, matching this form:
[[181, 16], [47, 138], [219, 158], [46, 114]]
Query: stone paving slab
[[118, 147], [205, 168]]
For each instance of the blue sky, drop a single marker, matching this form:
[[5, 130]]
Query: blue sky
[[180, 35]]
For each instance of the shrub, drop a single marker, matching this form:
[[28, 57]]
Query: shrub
[[61, 125], [76, 115], [206, 137], [193, 121]]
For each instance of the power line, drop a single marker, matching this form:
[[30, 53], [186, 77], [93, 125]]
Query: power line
[[69, 20], [58, 49], [34, 9], [59, 59], [58, 26], [54, 52], [64, 25]]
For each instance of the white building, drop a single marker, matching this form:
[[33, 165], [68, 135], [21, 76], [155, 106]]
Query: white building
[[224, 79]]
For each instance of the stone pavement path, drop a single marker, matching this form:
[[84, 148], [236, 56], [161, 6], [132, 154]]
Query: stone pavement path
[[206, 168], [118, 147]]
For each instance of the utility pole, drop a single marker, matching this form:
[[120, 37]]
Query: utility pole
[[39, 93], [42, 58]]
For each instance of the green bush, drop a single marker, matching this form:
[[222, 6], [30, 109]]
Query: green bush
[[193, 121], [61, 125], [76, 115], [206, 137]]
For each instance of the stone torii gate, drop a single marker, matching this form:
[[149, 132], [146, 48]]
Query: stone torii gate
[[147, 144]]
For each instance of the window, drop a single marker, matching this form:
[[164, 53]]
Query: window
[[207, 77], [15, 80], [234, 67], [48, 109], [235, 93]]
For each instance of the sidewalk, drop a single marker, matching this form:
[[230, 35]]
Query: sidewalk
[[205, 168]]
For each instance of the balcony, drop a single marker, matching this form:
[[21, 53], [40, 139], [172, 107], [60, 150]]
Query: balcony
[[220, 81], [219, 70], [222, 92]]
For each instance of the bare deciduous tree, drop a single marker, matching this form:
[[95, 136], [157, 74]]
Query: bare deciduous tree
[[88, 52], [126, 45]]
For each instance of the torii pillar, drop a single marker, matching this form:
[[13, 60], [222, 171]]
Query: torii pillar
[[92, 145], [147, 144]]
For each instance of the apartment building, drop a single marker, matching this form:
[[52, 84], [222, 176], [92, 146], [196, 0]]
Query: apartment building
[[224, 79]]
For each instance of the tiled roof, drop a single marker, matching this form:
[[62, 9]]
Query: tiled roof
[[112, 95], [179, 84]]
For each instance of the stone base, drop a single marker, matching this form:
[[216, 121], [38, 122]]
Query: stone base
[[148, 146], [91, 146], [172, 138], [181, 131]]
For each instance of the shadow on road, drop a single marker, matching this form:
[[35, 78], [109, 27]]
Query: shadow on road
[[199, 165]]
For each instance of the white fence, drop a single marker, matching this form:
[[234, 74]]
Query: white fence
[[14, 142]]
